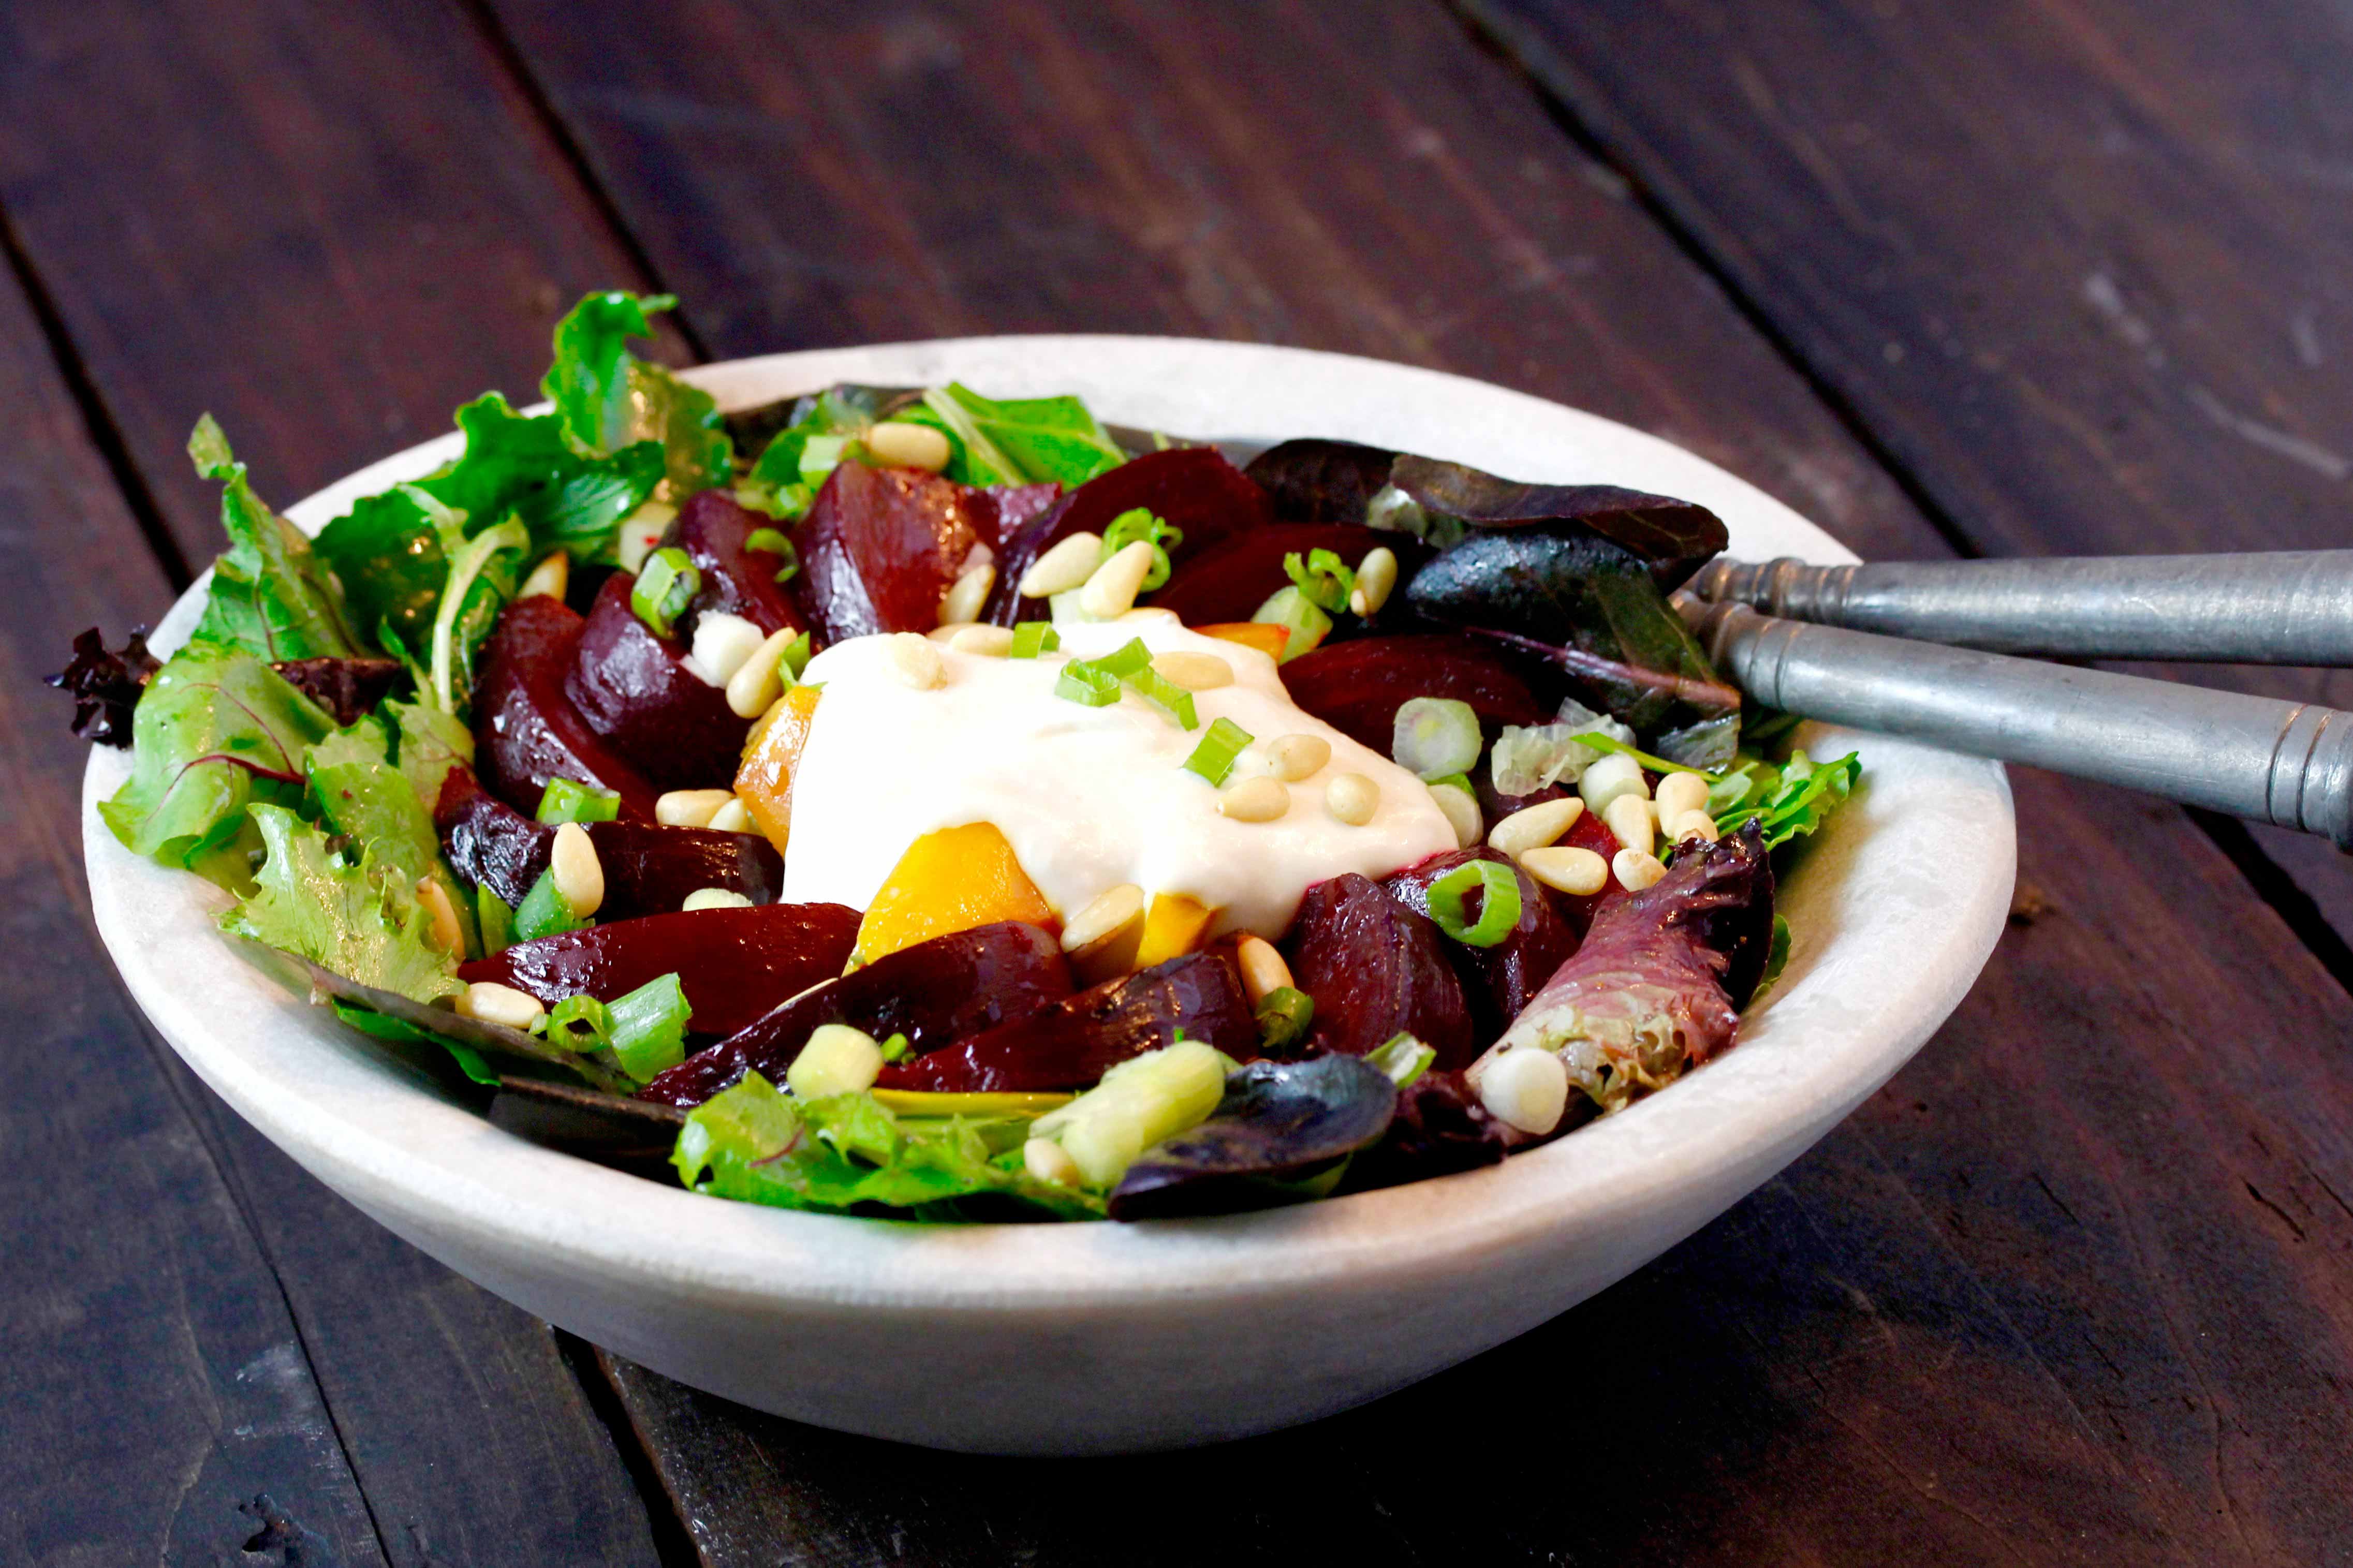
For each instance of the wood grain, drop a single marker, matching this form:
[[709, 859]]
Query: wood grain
[[2080, 266], [1365, 180]]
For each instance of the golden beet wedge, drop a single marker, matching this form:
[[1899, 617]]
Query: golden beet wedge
[[764, 783], [950, 881]]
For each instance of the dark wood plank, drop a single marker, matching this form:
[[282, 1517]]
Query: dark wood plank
[[401, 250], [1881, 1358], [156, 1384], [2081, 265]]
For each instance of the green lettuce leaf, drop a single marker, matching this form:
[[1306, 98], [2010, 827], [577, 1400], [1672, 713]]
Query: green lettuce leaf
[[607, 398], [363, 796], [1789, 801], [270, 593], [351, 920], [755, 1143], [1021, 441], [216, 729], [431, 743]]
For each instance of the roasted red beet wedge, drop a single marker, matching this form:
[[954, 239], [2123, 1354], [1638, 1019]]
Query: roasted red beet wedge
[[715, 531], [1497, 980], [635, 690], [649, 870], [1074, 1041], [1375, 969], [1356, 686], [1231, 581], [1192, 488], [735, 965], [526, 729], [881, 547], [934, 992]]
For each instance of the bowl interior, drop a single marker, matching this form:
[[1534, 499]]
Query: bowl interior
[[1894, 909]]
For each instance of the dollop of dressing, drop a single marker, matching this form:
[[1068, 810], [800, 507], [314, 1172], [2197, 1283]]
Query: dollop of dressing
[[1088, 798]]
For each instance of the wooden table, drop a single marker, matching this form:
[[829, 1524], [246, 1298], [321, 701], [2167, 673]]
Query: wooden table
[[2024, 275]]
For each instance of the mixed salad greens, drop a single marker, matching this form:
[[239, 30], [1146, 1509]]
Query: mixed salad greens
[[502, 760]]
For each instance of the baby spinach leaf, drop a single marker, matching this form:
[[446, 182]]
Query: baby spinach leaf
[[1022, 440], [271, 595], [215, 731], [349, 919]]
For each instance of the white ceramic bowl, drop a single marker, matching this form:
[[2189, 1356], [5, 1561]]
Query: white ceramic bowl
[[1099, 1338]]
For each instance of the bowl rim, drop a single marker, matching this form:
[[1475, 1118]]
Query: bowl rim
[[387, 1140]]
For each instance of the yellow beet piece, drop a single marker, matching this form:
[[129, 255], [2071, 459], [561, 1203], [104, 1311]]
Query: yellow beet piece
[[951, 880], [1268, 640], [764, 783], [1176, 924]]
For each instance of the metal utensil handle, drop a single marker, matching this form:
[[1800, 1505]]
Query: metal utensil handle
[[2281, 607], [2288, 762]]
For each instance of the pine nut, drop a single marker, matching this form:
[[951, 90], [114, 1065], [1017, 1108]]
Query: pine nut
[[988, 642], [1694, 825], [1103, 916], [494, 1004], [1462, 809], [641, 531], [1352, 798], [435, 902], [913, 662], [1679, 792], [552, 576], [838, 1059], [723, 644], [690, 807], [1534, 826], [945, 633], [1630, 823], [714, 899], [1111, 590], [1297, 757], [579, 875], [1194, 671], [1049, 1162], [1566, 868], [1066, 566], [1377, 576], [1636, 870], [1255, 800], [1149, 616], [967, 595], [896, 444], [1526, 1087], [755, 683], [1262, 968], [731, 817], [1609, 778]]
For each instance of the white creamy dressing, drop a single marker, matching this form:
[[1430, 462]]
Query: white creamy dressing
[[1088, 798]]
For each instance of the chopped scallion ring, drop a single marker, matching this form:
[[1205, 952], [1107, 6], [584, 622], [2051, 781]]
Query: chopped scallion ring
[[796, 656], [1087, 683], [649, 1028], [580, 1023], [1499, 902], [1032, 638], [1138, 523], [567, 801], [1323, 577], [1166, 695], [774, 540], [1435, 736], [544, 913], [666, 584], [1403, 1057], [1127, 660], [1284, 1015], [1213, 759]]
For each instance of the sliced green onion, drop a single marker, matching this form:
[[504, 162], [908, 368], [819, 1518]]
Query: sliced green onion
[[1403, 1057], [1139, 524], [1499, 902], [1087, 683], [896, 1048], [579, 1024], [784, 547], [1300, 615], [1455, 780], [565, 800], [1498, 887], [1435, 736], [820, 454], [1166, 695], [544, 912], [649, 1027], [1213, 759], [1032, 638], [1284, 1015], [496, 918], [1131, 658], [666, 584], [796, 656], [1323, 578], [774, 540]]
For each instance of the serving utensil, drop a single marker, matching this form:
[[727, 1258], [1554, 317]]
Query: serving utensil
[[2276, 607], [2258, 757]]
